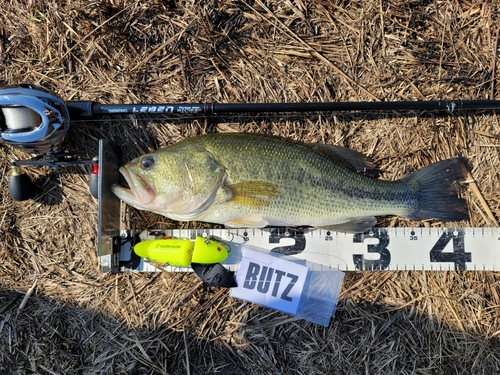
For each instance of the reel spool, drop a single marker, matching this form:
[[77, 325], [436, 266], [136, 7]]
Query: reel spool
[[32, 118]]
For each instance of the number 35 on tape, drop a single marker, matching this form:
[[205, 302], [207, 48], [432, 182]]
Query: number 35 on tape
[[270, 281]]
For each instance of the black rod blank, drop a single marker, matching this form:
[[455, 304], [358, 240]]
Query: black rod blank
[[89, 109]]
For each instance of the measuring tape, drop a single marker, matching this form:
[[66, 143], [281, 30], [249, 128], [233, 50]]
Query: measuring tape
[[381, 249]]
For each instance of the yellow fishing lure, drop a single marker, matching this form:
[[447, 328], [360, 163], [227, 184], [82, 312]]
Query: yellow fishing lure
[[182, 252]]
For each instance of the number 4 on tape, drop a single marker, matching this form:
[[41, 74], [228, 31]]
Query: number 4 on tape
[[270, 281]]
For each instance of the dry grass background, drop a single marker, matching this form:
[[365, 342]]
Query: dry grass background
[[78, 320]]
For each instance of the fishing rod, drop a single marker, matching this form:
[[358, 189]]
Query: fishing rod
[[89, 109], [37, 121]]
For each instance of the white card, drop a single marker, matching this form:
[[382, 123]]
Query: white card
[[270, 281]]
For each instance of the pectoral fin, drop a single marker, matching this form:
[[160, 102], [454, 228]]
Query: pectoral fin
[[252, 194], [357, 225]]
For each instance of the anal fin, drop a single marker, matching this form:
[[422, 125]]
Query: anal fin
[[357, 225], [246, 222]]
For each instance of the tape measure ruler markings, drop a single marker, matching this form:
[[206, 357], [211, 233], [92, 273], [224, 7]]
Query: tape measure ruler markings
[[432, 249]]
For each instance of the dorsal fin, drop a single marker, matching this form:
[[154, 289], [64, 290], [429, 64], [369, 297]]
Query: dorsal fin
[[347, 158]]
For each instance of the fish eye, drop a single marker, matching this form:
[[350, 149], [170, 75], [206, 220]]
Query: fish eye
[[147, 162]]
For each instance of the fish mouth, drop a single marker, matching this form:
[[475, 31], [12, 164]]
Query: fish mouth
[[140, 192]]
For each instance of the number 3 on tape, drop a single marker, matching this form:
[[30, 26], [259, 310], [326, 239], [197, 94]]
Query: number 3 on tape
[[270, 281]]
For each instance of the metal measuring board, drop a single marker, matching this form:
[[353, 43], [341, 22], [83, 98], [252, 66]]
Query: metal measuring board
[[109, 206], [380, 249]]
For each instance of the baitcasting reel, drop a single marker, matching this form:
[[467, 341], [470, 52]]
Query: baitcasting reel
[[36, 121]]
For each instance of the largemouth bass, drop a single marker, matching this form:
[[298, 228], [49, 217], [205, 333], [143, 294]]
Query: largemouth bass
[[245, 180]]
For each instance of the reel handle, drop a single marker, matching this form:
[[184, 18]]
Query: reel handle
[[21, 188]]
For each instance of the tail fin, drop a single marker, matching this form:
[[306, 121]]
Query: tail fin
[[437, 186]]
